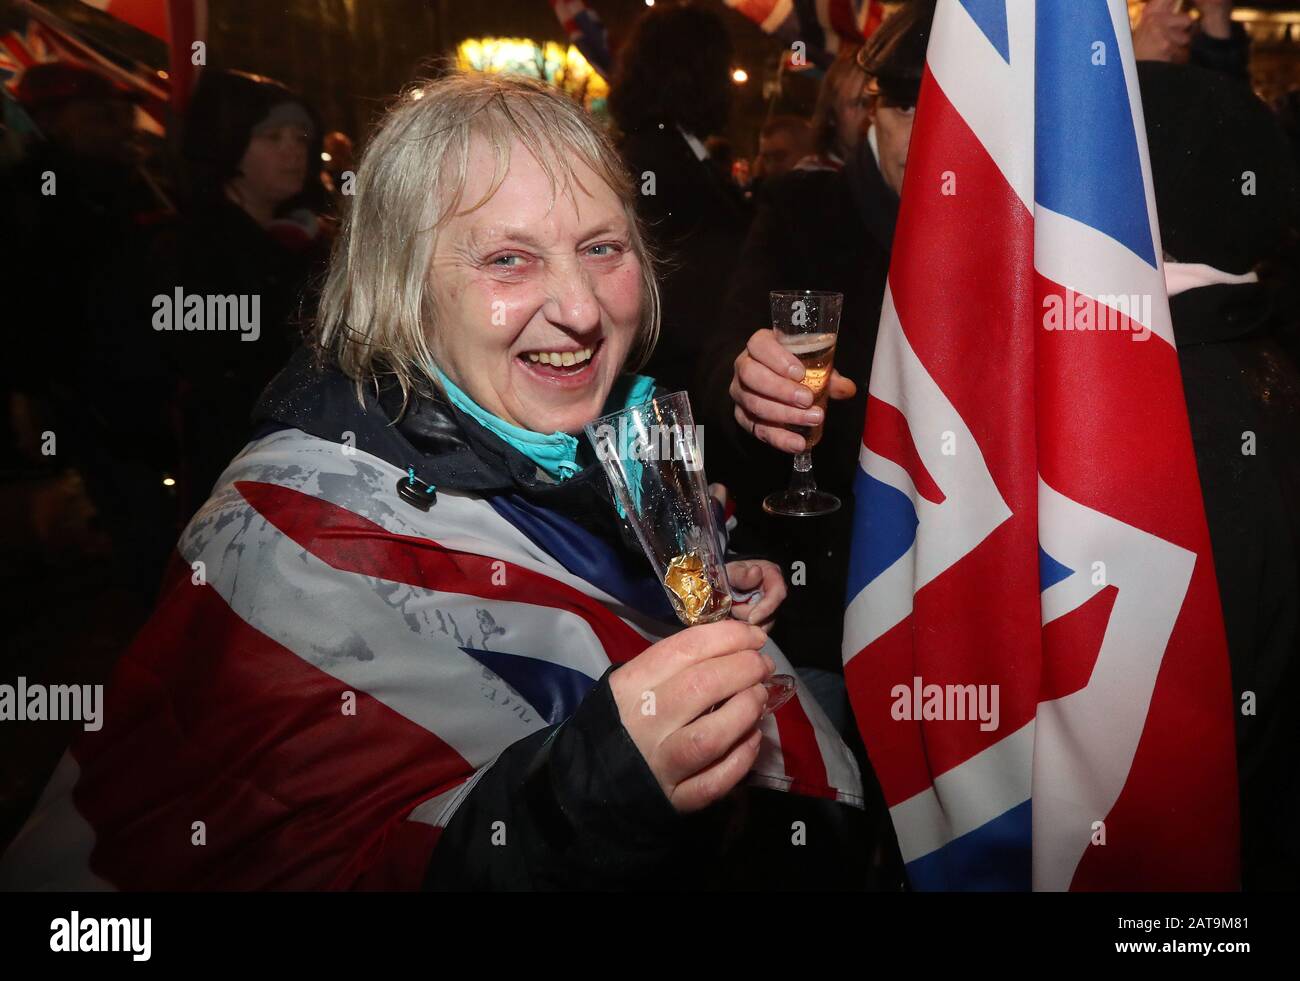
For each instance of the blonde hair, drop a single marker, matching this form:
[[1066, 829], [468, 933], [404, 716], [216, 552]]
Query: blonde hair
[[377, 307]]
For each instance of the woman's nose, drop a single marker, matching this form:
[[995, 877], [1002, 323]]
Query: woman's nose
[[571, 300]]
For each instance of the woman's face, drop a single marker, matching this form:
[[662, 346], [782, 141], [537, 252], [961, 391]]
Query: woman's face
[[274, 167], [537, 305]]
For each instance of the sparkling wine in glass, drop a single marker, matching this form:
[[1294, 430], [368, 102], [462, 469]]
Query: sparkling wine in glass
[[807, 323]]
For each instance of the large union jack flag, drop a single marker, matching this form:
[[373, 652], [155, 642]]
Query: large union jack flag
[[329, 670], [1029, 520]]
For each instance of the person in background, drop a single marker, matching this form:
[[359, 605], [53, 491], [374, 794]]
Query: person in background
[[782, 142], [1165, 31], [841, 117], [249, 229], [671, 91], [816, 229], [1204, 130], [824, 229], [75, 202]]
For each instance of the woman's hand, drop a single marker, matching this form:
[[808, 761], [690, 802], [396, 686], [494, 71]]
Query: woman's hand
[[749, 575], [765, 387], [664, 695]]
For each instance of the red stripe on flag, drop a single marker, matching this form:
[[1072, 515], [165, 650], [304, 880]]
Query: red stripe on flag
[[803, 757], [889, 436], [208, 720], [1072, 642], [351, 543]]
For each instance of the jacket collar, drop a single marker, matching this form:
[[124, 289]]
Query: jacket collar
[[445, 446]]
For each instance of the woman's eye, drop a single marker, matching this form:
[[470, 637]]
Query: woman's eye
[[608, 247], [508, 261]]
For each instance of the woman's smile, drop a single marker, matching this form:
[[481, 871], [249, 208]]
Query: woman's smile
[[563, 366]]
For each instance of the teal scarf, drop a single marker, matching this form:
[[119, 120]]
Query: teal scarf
[[557, 453]]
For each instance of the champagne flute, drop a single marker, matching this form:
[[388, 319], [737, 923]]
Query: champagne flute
[[653, 456], [807, 323]]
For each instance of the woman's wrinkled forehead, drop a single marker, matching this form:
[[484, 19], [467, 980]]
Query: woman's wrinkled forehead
[[485, 188]]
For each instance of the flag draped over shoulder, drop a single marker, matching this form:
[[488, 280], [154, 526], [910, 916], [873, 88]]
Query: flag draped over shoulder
[[1033, 640], [327, 671]]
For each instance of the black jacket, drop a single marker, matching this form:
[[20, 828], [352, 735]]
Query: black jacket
[[1243, 403], [581, 808]]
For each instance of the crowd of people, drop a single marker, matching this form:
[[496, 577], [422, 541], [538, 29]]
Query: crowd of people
[[370, 321]]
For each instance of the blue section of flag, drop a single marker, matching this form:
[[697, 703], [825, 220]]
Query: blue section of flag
[[1086, 152], [884, 528], [587, 556], [1050, 572], [552, 689], [995, 857], [991, 18]]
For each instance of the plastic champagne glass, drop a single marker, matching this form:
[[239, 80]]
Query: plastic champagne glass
[[807, 323], [653, 456]]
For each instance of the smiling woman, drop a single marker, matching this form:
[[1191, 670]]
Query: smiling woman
[[408, 640], [524, 254]]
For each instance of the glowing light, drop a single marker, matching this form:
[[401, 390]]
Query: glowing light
[[560, 65], [169, 481], [740, 76], [162, 74], [326, 157]]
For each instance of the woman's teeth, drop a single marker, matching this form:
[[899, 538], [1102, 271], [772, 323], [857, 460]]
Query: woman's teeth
[[561, 358]]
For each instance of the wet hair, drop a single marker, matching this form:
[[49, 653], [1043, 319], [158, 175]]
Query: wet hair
[[378, 311], [894, 56], [674, 67]]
